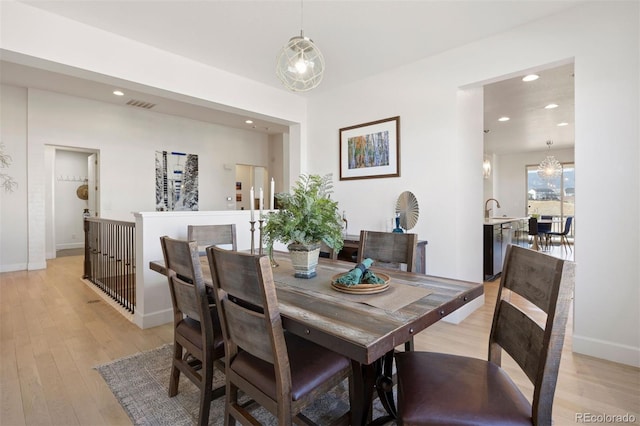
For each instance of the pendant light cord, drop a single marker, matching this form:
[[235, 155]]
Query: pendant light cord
[[301, 18]]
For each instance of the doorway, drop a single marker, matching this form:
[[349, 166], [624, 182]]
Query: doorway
[[248, 177], [520, 116], [71, 195]]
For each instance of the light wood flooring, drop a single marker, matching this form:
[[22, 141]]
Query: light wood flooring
[[54, 330]]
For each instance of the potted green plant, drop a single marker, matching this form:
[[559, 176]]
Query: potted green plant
[[307, 217]]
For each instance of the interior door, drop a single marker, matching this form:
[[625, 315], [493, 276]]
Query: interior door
[[92, 177]]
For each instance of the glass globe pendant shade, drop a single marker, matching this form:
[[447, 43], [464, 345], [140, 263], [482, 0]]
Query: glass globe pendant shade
[[300, 64]]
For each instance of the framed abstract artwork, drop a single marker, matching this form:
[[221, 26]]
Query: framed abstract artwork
[[370, 150]]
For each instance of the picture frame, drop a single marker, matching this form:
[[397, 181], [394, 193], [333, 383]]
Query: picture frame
[[370, 150]]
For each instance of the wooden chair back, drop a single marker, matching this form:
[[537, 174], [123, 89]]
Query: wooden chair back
[[208, 235], [534, 343], [188, 291], [248, 304], [388, 249], [197, 345], [257, 348]]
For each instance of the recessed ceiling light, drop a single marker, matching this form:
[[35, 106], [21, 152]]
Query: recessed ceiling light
[[248, 121], [551, 106], [503, 119], [530, 77], [118, 93], [563, 124]]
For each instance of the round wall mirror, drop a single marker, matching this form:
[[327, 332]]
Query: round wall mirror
[[407, 208]]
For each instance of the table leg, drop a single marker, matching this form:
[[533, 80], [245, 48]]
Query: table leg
[[384, 384], [366, 378], [363, 382], [535, 245]]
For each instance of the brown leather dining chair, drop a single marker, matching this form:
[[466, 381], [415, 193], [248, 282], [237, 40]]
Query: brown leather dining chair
[[207, 235], [278, 370], [435, 388], [198, 345]]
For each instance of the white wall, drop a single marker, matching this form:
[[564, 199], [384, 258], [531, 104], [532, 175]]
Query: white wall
[[13, 212], [153, 301], [441, 158], [128, 139]]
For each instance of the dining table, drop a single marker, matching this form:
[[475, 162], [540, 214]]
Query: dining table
[[365, 326]]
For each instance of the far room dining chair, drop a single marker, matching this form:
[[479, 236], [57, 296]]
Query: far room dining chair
[[544, 228], [198, 344], [279, 370], [534, 233], [529, 324], [563, 235], [390, 250], [218, 235]]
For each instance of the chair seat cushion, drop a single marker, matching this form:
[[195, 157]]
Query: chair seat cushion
[[439, 389], [311, 365], [190, 330]]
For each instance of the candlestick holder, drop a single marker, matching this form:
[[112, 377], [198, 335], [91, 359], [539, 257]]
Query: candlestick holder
[[261, 222], [253, 244]]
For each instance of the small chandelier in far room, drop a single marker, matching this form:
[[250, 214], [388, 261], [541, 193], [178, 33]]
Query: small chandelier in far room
[[300, 64], [549, 168], [486, 168]]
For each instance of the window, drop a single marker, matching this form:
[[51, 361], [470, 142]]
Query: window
[[554, 197]]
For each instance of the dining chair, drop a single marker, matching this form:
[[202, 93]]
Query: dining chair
[[534, 233], [198, 344], [544, 228], [328, 252], [207, 235], [389, 250], [436, 388], [563, 235], [277, 369]]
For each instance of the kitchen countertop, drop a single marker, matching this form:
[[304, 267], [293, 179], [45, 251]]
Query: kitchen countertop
[[500, 220]]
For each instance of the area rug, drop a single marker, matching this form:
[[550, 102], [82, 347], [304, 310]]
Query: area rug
[[140, 383]]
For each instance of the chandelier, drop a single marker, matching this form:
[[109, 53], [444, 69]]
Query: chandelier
[[300, 63], [486, 168], [549, 168]]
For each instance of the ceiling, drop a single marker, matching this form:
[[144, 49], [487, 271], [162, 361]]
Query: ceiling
[[530, 124], [358, 39]]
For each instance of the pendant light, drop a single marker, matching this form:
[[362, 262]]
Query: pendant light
[[300, 64], [486, 168], [549, 168]]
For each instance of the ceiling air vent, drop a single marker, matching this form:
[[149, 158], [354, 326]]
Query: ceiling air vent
[[140, 104]]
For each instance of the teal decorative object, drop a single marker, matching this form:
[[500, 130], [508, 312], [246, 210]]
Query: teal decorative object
[[360, 275], [397, 229]]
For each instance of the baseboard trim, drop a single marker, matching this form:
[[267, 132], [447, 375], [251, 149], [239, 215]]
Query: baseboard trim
[[13, 267], [623, 354], [105, 297], [153, 319]]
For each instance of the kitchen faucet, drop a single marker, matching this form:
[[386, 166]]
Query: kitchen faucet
[[486, 210]]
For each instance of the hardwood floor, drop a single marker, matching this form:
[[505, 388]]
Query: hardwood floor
[[54, 330]]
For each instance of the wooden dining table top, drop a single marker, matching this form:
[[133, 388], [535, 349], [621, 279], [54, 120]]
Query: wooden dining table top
[[361, 327]]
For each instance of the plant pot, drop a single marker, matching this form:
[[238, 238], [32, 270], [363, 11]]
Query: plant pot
[[304, 259]]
